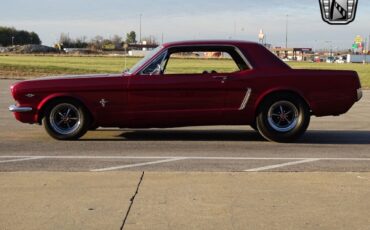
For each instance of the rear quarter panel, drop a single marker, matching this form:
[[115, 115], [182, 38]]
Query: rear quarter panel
[[326, 92]]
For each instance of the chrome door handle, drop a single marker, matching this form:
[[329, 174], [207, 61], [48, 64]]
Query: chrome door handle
[[222, 78]]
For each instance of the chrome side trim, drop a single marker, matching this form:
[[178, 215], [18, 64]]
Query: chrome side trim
[[245, 99], [17, 109], [165, 50], [243, 57]]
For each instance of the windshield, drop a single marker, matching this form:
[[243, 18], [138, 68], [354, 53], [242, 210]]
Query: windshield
[[144, 60]]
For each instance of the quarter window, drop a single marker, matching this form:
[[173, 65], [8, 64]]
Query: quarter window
[[156, 67]]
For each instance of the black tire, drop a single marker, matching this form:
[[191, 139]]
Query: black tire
[[62, 126], [283, 117]]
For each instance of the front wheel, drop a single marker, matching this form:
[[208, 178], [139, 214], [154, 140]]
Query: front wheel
[[66, 120], [283, 118]]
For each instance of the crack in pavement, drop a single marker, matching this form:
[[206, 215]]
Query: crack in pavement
[[132, 201]]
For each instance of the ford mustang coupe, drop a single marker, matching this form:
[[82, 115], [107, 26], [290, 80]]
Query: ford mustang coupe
[[219, 83]]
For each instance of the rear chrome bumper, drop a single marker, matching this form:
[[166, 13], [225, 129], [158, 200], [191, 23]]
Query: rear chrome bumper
[[18, 109], [359, 94]]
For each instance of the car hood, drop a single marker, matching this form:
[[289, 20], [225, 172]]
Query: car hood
[[67, 83], [70, 77]]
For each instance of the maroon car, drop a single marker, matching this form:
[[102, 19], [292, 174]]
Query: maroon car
[[255, 88]]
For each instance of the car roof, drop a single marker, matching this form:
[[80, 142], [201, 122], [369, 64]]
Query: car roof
[[208, 42], [257, 55]]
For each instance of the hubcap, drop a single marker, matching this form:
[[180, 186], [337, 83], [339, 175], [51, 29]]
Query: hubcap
[[65, 118], [283, 116]]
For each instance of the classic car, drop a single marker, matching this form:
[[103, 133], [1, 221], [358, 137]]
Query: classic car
[[258, 90]]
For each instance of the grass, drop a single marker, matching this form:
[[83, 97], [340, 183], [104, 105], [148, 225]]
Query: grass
[[27, 66], [31, 66]]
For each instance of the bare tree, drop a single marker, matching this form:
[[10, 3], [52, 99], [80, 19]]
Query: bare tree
[[117, 41], [65, 39], [97, 42], [151, 40]]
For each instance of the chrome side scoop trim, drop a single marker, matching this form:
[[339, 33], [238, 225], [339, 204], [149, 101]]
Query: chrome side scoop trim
[[245, 99]]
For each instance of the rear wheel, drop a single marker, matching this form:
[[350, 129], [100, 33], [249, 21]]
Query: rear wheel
[[283, 118], [66, 120]]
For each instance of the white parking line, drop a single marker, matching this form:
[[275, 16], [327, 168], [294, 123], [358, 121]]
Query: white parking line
[[20, 159], [281, 165], [164, 159], [135, 165], [188, 158]]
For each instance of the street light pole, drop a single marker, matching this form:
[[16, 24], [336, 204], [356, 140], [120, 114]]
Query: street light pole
[[366, 50], [286, 31], [331, 48], [140, 29], [234, 29], [368, 45]]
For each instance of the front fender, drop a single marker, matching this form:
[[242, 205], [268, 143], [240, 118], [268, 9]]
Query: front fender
[[42, 105]]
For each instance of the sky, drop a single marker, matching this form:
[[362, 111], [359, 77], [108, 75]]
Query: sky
[[186, 20]]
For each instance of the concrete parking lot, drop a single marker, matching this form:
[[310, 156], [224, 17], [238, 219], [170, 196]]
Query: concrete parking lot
[[186, 178]]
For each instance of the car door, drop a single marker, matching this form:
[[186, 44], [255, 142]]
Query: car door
[[175, 99], [193, 89]]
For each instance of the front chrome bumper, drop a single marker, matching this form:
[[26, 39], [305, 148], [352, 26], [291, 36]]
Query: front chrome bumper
[[359, 94], [18, 109]]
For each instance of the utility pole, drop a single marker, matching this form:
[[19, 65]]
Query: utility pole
[[286, 31], [12, 40], [234, 30], [366, 49], [331, 47], [265, 40], [140, 29]]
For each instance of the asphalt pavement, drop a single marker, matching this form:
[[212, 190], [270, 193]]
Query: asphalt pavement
[[332, 144], [186, 178]]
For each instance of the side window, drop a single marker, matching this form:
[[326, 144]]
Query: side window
[[201, 62], [156, 67]]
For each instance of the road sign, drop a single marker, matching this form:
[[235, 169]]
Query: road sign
[[358, 39]]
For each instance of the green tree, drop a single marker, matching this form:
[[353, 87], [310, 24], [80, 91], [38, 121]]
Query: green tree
[[9, 36], [131, 37], [35, 39]]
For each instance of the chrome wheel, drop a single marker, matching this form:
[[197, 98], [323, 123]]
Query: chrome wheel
[[283, 116], [65, 119]]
